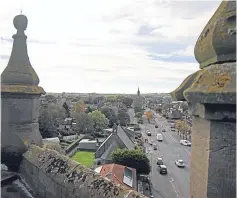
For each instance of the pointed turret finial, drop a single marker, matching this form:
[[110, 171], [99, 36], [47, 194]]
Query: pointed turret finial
[[19, 70]]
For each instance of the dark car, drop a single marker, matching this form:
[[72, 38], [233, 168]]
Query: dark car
[[162, 169], [156, 126], [163, 130]]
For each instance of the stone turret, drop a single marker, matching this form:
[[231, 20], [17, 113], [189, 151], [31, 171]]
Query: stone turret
[[211, 94], [19, 99]]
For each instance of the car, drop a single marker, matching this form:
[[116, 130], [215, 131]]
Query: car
[[159, 161], [185, 143], [155, 146], [180, 163], [148, 133], [163, 130], [173, 130], [156, 126], [162, 169], [159, 137]]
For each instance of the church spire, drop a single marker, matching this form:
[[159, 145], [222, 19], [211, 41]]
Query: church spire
[[138, 92]]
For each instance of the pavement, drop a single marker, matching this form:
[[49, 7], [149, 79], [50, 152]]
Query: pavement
[[176, 183]]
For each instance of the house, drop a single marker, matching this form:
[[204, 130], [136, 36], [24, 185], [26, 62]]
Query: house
[[121, 175], [175, 114], [117, 139]]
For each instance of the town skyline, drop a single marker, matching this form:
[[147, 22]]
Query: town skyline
[[134, 43]]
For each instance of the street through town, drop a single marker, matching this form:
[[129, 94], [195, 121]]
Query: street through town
[[176, 183]]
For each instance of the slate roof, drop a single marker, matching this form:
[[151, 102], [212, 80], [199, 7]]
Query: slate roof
[[124, 138], [108, 151]]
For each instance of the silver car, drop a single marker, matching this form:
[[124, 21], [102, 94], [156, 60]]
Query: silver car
[[180, 163]]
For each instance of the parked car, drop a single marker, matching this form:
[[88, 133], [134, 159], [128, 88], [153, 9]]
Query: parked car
[[159, 137], [148, 133], [155, 146], [162, 169], [173, 130], [185, 143], [163, 130], [180, 163], [156, 126], [159, 161]]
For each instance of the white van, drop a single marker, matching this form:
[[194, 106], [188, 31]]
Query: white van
[[159, 137]]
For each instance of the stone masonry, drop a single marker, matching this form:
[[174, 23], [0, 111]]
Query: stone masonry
[[211, 94], [48, 173], [19, 98]]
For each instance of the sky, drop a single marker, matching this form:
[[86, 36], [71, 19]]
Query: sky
[[108, 46]]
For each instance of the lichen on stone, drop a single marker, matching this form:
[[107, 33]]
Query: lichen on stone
[[24, 89], [76, 178]]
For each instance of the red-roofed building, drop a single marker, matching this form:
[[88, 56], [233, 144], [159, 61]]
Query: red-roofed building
[[119, 174]]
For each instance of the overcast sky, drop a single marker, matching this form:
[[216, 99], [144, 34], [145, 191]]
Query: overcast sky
[[108, 46]]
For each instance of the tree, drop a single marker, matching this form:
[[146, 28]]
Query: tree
[[149, 116], [89, 109], [138, 109], [183, 128], [50, 117], [67, 110], [132, 158], [79, 107], [158, 109], [184, 106], [99, 120], [99, 99], [51, 99], [123, 117], [127, 101], [84, 124], [110, 115]]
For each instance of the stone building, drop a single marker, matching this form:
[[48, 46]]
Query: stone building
[[211, 95], [30, 169]]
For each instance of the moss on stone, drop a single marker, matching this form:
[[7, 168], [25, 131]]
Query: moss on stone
[[177, 95], [24, 89], [76, 178], [215, 43], [209, 81]]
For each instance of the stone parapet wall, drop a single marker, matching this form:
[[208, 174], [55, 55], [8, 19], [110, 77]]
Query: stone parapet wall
[[52, 175]]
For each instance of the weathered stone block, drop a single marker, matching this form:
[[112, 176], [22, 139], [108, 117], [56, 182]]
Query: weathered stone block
[[213, 111], [199, 157], [17, 111], [69, 177], [222, 160]]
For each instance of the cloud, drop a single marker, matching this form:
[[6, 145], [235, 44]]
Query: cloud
[[105, 46]]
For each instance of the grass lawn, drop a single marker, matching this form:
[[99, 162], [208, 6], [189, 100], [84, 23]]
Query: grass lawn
[[84, 157]]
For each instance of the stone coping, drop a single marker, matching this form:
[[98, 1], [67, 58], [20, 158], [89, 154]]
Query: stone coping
[[23, 89], [215, 84], [76, 178]]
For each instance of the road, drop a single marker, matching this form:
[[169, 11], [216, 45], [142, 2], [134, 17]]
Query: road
[[131, 115], [176, 183]]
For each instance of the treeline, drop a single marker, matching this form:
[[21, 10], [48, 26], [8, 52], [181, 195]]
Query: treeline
[[87, 118]]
